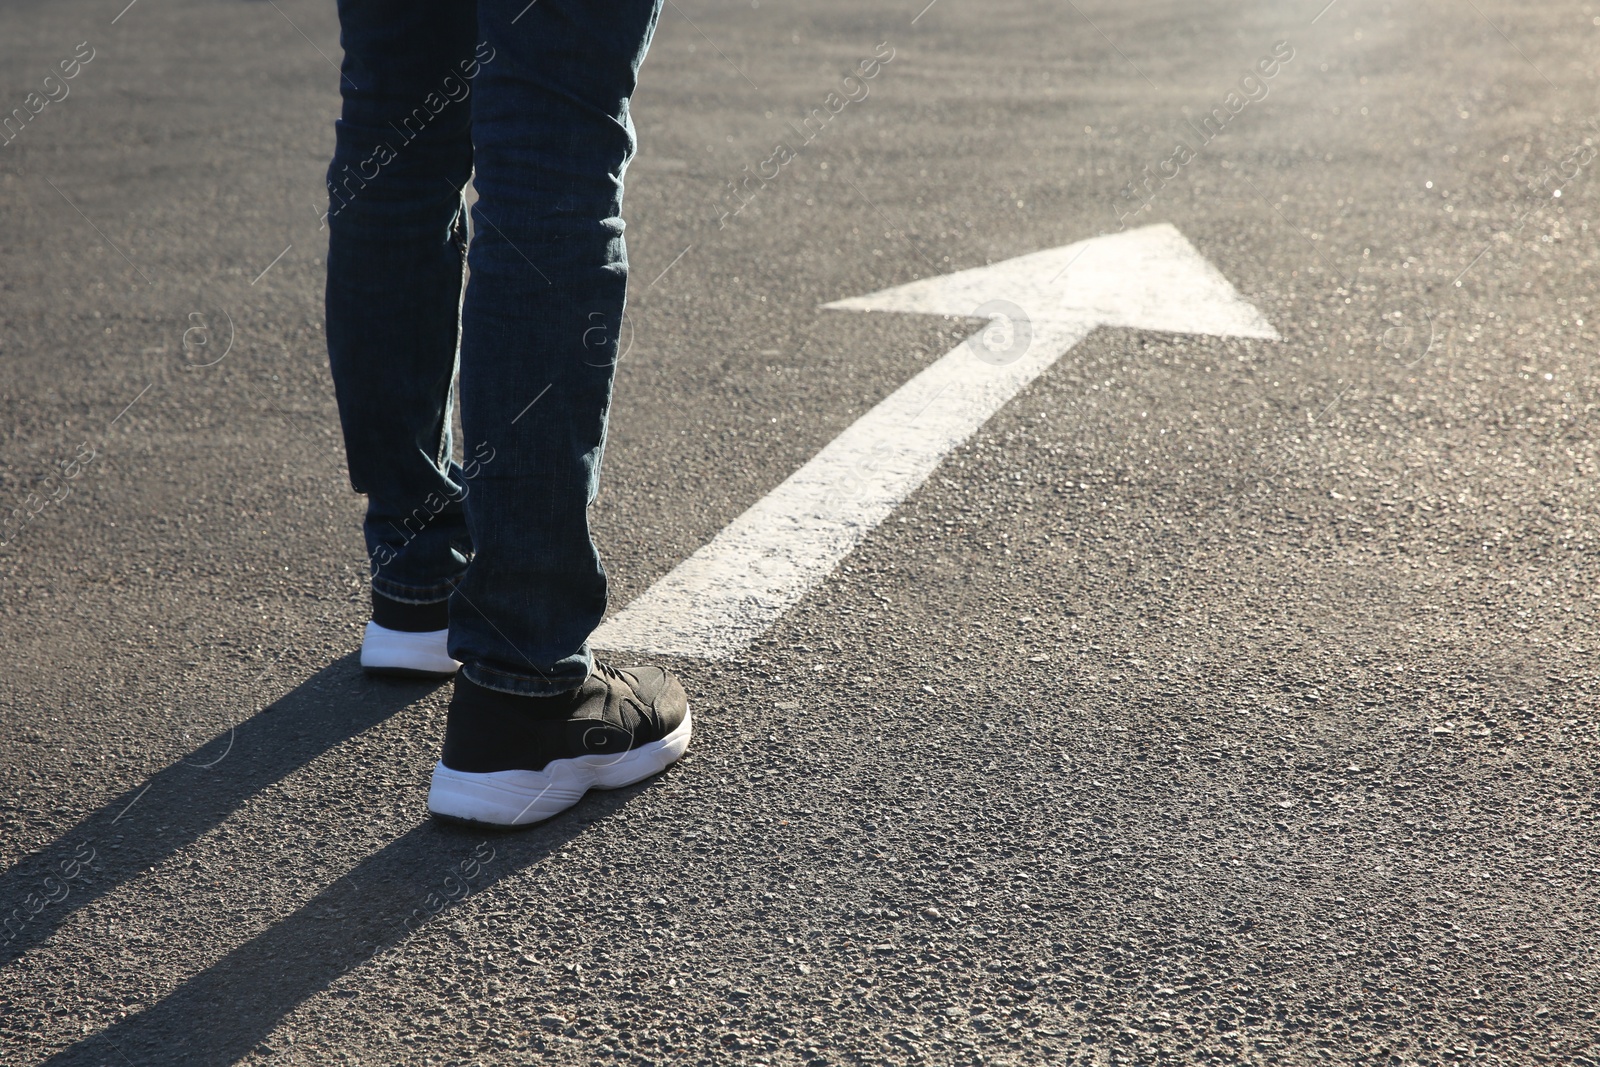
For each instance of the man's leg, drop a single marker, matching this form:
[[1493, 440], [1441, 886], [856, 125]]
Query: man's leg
[[396, 249], [533, 722], [552, 137]]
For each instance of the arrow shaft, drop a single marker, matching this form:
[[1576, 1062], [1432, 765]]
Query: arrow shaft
[[732, 589]]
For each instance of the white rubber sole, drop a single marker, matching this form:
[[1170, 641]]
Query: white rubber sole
[[519, 798], [399, 652]]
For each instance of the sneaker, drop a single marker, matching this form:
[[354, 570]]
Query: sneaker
[[408, 639], [514, 760]]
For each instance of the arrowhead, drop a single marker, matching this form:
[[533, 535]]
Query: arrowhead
[[1150, 278]]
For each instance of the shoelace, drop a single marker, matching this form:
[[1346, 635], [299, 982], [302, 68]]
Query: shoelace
[[645, 711], [605, 670]]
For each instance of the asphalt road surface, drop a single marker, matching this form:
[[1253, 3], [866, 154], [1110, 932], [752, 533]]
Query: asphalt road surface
[[1221, 699]]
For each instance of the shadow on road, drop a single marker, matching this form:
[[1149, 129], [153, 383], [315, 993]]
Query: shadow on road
[[222, 1013], [158, 817]]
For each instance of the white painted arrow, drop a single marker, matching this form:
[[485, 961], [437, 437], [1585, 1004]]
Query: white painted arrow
[[1039, 305]]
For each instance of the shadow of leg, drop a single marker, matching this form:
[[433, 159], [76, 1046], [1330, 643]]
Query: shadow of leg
[[155, 819], [219, 1015]]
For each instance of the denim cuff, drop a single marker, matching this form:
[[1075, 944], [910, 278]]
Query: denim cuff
[[525, 685], [414, 594]]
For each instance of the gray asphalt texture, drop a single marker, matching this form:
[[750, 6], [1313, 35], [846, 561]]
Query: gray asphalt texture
[[1222, 701]]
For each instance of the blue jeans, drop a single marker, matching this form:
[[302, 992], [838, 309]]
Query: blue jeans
[[530, 101]]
